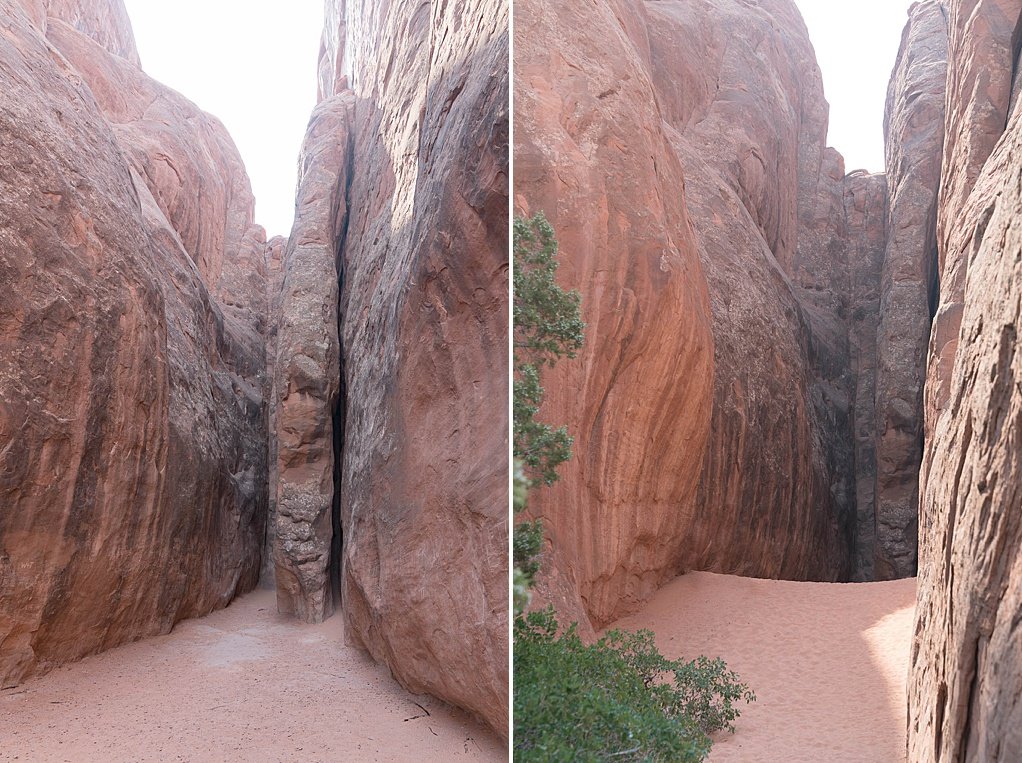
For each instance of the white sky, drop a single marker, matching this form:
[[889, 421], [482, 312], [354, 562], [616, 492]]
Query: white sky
[[252, 64], [856, 44]]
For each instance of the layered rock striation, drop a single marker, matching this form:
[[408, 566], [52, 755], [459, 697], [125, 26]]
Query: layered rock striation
[[844, 345], [592, 153], [965, 682], [732, 278], [861, 327], [132, 360]]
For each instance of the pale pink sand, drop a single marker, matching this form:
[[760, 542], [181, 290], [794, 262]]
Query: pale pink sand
[[827, 661], [243, 684]]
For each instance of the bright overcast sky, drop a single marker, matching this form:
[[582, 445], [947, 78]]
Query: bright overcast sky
[[251, 63], [856, 44]]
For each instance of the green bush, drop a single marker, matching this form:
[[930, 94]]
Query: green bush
[[528, 542], [547, 327], [616, 700]]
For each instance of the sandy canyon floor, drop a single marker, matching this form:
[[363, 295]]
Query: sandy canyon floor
[[243, 684], [827, 661]]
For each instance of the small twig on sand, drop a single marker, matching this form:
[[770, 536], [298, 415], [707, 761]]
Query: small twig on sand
[[424, 710]]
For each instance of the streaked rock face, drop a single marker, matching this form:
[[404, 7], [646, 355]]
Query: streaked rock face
[[411, 218], [818, 289], [307, 371], [730, 276], [966, 678], [979, 94], [592, 154], [424, 340], [914, 130], [866, 213], [136, 350], [275, 248], [105, 22], [132, 419]]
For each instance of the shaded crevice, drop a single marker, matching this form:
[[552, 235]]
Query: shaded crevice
[[336, 539], [1016, 84], [933, 292], [341, 406]]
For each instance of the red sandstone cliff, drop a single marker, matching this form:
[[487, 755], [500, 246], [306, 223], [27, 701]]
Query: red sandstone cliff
[[592, 153], [914, 131], [688, 135], [135, 348], [132, 420], [965, 685], [730, 278], [821, 289], [391, 368]]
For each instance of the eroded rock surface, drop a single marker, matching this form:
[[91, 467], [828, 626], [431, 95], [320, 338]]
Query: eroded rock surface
[[424, 335], [821, 287], [965, 683], [135, 350], [914, 130], [422, 107], [593, 155], [982, 61], [722, 407], [274, 293], [866, 204], [104, 21], [766, 200], [307, 370], [132, 420]]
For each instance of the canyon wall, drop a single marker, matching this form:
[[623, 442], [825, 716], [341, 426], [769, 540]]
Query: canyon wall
[[307, 370], [592, 153], [866, 206], [965, 684], [132, 418], [832, 390], [391, 366], [730, 272], [146, 320], [914, 136]]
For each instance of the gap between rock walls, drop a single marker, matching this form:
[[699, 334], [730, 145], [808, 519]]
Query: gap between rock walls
[[206, 411], [833, 351]]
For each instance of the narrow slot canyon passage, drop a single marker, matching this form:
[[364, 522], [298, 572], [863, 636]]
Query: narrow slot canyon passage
[[241, 684], [780, 521], [226, 474]]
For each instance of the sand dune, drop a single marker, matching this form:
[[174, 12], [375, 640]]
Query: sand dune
[[242, 684], [827, 661]]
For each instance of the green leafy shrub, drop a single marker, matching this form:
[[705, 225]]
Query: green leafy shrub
[[547, 327], [619, 699], [528, 542]]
